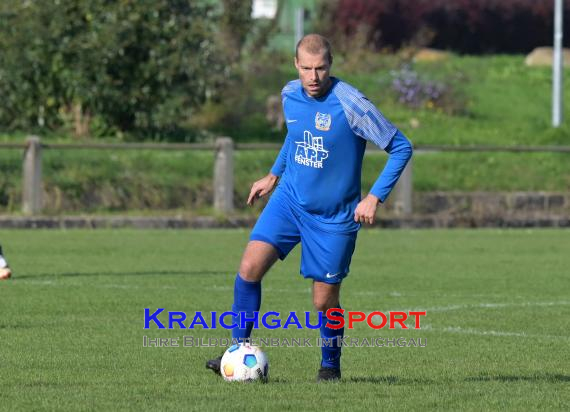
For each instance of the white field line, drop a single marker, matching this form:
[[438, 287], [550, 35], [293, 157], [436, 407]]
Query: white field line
[[470, 331], [40, 282], [118, 286], [410, 322], [98, 285], [434, 294], [53, 283], [394, 294], [425, 327], [450, 308], [379, 294], [264, 289]]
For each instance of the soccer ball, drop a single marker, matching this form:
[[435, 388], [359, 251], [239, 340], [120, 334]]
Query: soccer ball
[[243, 362]]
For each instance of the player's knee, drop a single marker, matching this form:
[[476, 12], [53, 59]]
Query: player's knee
[[322, 304], [250, 271]]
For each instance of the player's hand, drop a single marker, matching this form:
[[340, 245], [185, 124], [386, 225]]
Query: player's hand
[[366, 210], [261, 188]]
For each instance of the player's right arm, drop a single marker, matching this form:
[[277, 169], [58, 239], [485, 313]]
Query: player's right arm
[[265, 185], [279, 166], [262, 187]]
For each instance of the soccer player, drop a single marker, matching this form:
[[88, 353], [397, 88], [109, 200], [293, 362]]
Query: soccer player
[[318, 199], [5, 271]]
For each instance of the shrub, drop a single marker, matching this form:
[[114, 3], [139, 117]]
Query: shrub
[[416, 91], [95, 66], [466, 26]]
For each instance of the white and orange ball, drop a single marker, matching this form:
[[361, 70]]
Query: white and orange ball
[[243, 362]]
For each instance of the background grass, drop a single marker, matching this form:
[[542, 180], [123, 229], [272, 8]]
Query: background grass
[[497, 306], [506, 102], [181, 182]]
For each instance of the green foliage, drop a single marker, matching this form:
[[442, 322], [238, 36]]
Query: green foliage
[[100, 66], [241, 111]]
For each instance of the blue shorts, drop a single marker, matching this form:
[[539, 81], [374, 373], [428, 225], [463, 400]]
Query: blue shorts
[[325, 256]]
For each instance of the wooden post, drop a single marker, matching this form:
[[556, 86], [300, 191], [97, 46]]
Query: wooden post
[[404, 192], [224, 175], [32, 182]]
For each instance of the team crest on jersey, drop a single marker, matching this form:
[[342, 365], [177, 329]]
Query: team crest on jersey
[[323, 121], [310, 152]]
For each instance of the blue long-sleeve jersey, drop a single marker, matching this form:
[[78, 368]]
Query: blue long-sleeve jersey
[[320, 163]]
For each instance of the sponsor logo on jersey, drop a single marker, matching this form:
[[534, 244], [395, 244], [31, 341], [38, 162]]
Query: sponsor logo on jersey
[[323, 121], [310, 152]]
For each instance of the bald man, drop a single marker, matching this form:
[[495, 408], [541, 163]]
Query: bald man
[[318, 200]]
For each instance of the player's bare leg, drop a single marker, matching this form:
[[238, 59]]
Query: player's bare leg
[[5, 271], [327, 296], [257, 259]]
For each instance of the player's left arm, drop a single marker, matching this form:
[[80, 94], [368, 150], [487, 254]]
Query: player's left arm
[[367, 122], [399, 153]]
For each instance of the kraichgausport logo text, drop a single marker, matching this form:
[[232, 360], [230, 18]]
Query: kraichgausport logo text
[[276, 320]]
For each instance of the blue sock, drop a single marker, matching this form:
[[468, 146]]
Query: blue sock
[[331, 354], [247, 298]]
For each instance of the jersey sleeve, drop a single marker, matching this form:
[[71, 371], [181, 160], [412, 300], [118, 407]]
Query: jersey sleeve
[[364, 118], [279, 166], [399, 153]]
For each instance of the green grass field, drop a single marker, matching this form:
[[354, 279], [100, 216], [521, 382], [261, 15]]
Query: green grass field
[[497, 324]]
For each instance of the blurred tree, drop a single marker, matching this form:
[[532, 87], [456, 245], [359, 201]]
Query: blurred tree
[[263, 30], [465, 26], [235, 25], [96, 65]]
